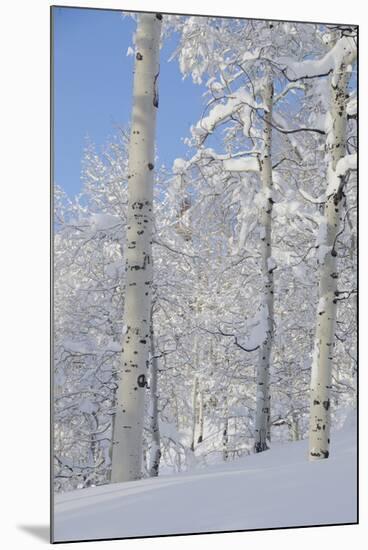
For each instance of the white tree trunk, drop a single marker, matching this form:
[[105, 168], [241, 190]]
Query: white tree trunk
[[194, 406], [195, 384], [263, 398], [128, 425], [320, 411], [200, 417], [225, 433], [294, 427], [155, 454]]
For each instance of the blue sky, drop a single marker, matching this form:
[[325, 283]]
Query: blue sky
[[93, 90]]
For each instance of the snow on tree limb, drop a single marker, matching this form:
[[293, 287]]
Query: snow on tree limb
[[344, 165], [344, 49], [223, 111], [248, 164]]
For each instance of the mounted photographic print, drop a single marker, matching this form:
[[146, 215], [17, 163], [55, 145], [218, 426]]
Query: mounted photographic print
[[204, 263]]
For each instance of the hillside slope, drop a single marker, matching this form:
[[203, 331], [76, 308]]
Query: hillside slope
[[277, 488]]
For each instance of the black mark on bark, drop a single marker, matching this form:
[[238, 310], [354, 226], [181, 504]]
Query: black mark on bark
[[141, 380], [326, 404], [155, 91]]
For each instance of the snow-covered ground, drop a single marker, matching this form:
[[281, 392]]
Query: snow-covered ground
[[277, 488]]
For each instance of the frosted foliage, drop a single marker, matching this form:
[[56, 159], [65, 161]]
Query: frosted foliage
[[253, 246], [193, 58]]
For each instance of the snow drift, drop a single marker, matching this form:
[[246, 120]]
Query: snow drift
[[277, 488]]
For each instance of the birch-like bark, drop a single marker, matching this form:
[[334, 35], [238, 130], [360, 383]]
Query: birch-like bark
[[195, 384], [321, 378], [294, 427], [263, 398], [155, 452], [200, 417], [194, 406], [225, 433], [128, 425]]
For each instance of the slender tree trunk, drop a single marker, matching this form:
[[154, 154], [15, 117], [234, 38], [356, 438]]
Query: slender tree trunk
[[109, 477], [155, 453], [200, 417], [195, 390], [320, 412], [294, 427], [225, 434], [194, 406], [294, 416], [128, 425], [263, 399], [88, 478], [176, 410]]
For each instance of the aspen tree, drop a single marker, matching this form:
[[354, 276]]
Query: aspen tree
[[321, 378], [128, 425], [201, 417], [225, 432], [155, 454], [194, 406], [263, 398]]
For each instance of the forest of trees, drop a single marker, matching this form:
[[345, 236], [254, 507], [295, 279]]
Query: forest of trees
[[205, 311]]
